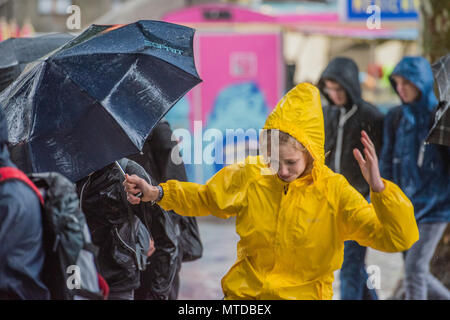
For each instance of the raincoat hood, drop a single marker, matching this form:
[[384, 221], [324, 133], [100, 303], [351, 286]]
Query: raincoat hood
[[418, 71], [345, 72], [299, 113]]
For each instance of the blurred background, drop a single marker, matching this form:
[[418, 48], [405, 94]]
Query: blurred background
[[249, 54]]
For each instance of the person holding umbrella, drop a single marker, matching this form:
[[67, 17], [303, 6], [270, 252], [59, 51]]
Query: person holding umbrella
[[420, 169], [440, 132], [176, 237], [119, 81], [119, 230], [293, 213]]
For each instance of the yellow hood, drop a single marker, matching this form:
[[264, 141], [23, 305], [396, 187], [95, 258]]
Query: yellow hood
[[299, 113]]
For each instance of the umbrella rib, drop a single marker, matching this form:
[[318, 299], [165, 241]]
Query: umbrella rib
[[137, 54], [84, 91]]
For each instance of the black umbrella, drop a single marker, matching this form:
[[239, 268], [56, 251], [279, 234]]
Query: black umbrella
[[15, 53], [96, 99], [441, 72], [440, 132]]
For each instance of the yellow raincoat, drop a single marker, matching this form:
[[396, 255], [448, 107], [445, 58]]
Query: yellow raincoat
[[292, 235]]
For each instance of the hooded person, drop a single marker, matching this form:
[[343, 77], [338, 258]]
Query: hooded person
[[343, 123], [293, 213], [118, 229], [345, 116], [21, 249], [420, 170], [175, 236]]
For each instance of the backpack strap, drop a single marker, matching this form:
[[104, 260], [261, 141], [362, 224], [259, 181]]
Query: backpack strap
[[11, 173]]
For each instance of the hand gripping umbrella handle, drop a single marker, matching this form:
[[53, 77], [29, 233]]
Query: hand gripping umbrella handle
[[139, 195]]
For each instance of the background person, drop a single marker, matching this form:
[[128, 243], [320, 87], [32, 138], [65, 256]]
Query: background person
[[421, 170], [176, 237], [21, 249], [345, 116], [118, 229]]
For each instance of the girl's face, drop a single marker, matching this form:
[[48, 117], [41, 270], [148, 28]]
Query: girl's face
[[292, 162]]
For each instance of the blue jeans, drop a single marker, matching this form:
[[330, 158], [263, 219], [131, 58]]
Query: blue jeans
[[353, 275], [420, 284]]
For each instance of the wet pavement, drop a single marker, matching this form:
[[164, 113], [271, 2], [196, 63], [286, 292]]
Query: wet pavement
[[200, 280]]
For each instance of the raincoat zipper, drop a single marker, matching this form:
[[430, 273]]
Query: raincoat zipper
[[276, 242], [421, 155]]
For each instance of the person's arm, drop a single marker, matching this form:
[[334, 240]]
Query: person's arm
[[223, 195], [388, 223]]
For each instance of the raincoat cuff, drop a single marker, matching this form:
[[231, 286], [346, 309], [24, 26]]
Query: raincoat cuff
[[396, 213], [391, 192], [387, 188], [165, 199]]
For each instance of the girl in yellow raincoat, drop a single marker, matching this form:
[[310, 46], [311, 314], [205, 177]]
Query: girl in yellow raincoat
[[292, 222]]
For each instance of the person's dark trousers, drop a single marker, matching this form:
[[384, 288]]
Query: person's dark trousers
[[175, 288], [122, 295], [353, 275]]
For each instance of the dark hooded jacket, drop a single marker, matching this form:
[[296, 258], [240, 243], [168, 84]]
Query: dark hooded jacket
[[105, 204], [343, 125], [420, 170], [168, 229], [21, 250]]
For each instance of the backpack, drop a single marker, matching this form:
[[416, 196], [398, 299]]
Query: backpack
[[70, 271], [190, 242]]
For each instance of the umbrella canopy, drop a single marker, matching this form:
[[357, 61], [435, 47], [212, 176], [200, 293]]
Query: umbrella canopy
[[17, 52], [97, 98], [441, 71], [440, 132]]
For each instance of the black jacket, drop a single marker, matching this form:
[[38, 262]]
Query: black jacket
[[21, 250], [343, 125], [167, 229], [106, 208]]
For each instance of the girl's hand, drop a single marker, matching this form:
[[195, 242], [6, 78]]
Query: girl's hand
[[133, 185], [369, 164]]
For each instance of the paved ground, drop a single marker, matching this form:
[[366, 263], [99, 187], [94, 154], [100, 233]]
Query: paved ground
[[200, 280]]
